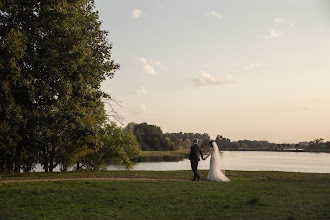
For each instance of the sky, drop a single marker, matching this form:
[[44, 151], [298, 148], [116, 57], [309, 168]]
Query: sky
[[244, 69]]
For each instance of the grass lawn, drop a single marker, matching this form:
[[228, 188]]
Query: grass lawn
[[250, 195]]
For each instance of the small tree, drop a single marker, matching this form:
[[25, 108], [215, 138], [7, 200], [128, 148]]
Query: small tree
[[117, 146]]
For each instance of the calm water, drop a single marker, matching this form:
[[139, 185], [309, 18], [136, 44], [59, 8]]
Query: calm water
[[304, 162]]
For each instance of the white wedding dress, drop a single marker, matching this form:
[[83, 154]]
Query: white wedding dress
[[215, 174]]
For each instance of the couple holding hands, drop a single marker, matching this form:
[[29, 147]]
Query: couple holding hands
[[215, 174]]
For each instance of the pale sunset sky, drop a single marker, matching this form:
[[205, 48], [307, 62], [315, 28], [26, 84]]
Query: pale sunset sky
[[244, 69]]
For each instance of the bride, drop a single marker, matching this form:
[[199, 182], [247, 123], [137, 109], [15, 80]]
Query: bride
[[215, 174]]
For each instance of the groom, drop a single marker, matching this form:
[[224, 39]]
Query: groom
[[194, 157]]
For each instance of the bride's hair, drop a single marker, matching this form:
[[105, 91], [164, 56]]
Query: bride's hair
[[211, 143]]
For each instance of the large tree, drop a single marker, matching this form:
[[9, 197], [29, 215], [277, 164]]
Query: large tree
[[54, 57]]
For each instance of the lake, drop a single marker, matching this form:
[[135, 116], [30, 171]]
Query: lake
[[305, 162]]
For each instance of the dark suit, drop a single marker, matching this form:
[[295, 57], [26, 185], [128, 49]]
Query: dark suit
[[194, 157]]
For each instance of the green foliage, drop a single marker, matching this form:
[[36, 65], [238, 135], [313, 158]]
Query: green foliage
[[53, 58], [151, 137], [117, 146], [203, 139], [186, 144], [174, 142]]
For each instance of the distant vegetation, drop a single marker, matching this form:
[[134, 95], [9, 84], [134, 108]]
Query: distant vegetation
[[151, 137]]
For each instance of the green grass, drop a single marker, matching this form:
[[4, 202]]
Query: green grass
[[100, 174], [249, 195]]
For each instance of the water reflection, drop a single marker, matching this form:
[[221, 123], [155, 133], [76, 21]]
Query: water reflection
[[305, 162]]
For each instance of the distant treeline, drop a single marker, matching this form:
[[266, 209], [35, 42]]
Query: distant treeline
[[151, 138]]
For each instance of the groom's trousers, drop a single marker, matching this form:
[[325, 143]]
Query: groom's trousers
[[194, 164]]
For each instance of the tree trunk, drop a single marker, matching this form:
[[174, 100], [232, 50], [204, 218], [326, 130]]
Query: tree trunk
[[18, 157], [45, 160], [46, 167], [51, 159], [19, 148]]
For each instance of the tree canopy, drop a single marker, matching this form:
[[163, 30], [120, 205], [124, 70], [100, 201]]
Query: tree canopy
[[54, 57]]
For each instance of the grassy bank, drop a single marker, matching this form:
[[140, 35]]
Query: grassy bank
[[250, 195], [158, 156]]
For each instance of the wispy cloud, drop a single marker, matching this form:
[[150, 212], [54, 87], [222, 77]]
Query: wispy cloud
[[252, 66], [205, 79], [282, 21], [215, 14], [277, 29], [146, 67], [136, 13], [279, 20], [274, 33], [142, 109], [141, 91]]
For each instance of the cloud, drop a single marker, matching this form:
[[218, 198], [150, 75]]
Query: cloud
[[142, 109], [279, 20], [146, 67], [274, 33], [141, 91], [252, 66], [205, 79], [136, 13], [279, 24], [215, 14], [282, 21]]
